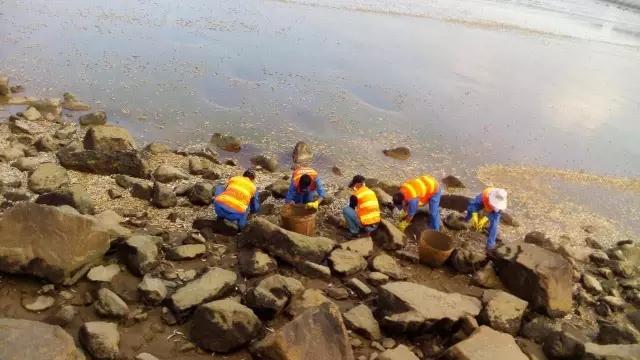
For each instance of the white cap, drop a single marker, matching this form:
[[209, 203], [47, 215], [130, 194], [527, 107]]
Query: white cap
[[498, 199]]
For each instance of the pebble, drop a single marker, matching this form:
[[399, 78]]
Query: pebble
[[41, 303], [388, 343], [376, 345]]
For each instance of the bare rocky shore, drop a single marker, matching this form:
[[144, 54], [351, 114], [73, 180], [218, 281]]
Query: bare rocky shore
[[111, 251]]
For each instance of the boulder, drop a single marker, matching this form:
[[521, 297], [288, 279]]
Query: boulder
[[145, 356], [287, 245], [65, 132], [46, 143], [346, 263], [410, 307], [201, 193], [95, 118], [108, 139], [163, 196], [110, 305], [226, 142], [389, 266], [360, 319], [255, 263], [486, 343], [199, 165], [591, 284], [48, 177], [384, 199], [502, 311], [168, 173], [224, 325], [279, 188], [140, 253], [452, 182], [388, 237], [71, 103], [302, 154], [63, 317], [458, 203], [376, 278], [47, 106], [105, 163], [211, 285], [487, 277], [100, 339], [27, 163], [103, 273], [543, 278], [34, 340], [110, 222], [313, 270], [566, 344], [467, 260], [308, 299], [539, 328], [400, 153], [540, 239], [317, 334], [399, 353], [43, 241], [186, 252], [17, 195], [144, 190], [272, 294], [21, 126], [360, 288], [267, 163], [362, 246], [75, 196], [5, 88], [619, 332], [32, 114], [611, 352], [152, 290]]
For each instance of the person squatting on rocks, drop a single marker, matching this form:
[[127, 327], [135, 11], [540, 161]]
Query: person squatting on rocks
[[235, 201], [492, 201], [306, 187], [362, 215], [416, 193]]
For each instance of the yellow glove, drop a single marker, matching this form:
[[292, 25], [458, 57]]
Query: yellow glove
[[483, 223], [313, 205], [474, 221], [402, 225]]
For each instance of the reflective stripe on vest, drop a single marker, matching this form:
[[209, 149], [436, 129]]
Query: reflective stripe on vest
[[297, 174], [368, 209], [238, 194], [423, 188], [485, 199]]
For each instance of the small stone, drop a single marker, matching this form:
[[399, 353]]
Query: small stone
[[337, 293], [389, 266], [377, 278], [100, 339], [63, 317], [41, 303], [346, 263], [186, 252], [399, 153], [452, 182], [111, 305], [103, 273], [359, 287], [313, 270], [591, 284], [400, 353], [145, 356], [256, 263], [360, 319], [153, 290], [388, 343]]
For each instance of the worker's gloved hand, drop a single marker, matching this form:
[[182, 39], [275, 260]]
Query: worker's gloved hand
[[483, 223], [313, 205], [402, 225], [474, 221]]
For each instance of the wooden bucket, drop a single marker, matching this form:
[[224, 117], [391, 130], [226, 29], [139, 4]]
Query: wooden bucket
[[434, 248], [298, 218]]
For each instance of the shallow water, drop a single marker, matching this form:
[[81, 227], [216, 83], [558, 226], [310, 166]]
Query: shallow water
[[463, 83]]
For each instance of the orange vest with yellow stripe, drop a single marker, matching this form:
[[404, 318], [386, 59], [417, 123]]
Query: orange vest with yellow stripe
[[423, 188], [368, 209], [238, 194], [297, 174], [485, 199]]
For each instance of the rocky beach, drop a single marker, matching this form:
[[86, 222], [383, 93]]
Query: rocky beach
[[109, 249]]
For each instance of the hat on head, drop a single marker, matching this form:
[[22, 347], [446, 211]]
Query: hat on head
[[498, 199], [356, 180]]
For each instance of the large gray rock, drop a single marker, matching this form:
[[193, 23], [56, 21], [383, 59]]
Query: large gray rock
[[211, 285], [225, 142], [108, 139], [279, 188], [52, 106], [399, 153], [186, 252], [272, 294], [43, 241], [502, 311], [543, 278], [389, 237], [288, 245], [105, 163], [317, 334], [362, 246], [168, 173], [5, 88], [399, 353], [360, 319], [619, 332], [34, 340], [302, 154], [410, 307], [163, 196], [389, 266], [48, 177], [310, 298], [75, 196], [140, 253], [224, 325], [100, 339], [109, 304], [611, 352], [255, 263], [95, 118], [346, 263], [486, 343], [201, 193], [152, 290]]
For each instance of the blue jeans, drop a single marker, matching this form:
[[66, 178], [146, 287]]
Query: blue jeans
[[305, 197], [434, 211], [353, 223]]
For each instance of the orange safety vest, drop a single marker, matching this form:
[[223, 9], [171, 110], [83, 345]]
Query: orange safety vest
[[297, 174], [485, 200], [423, 188], [368, 209], [238, 194]]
